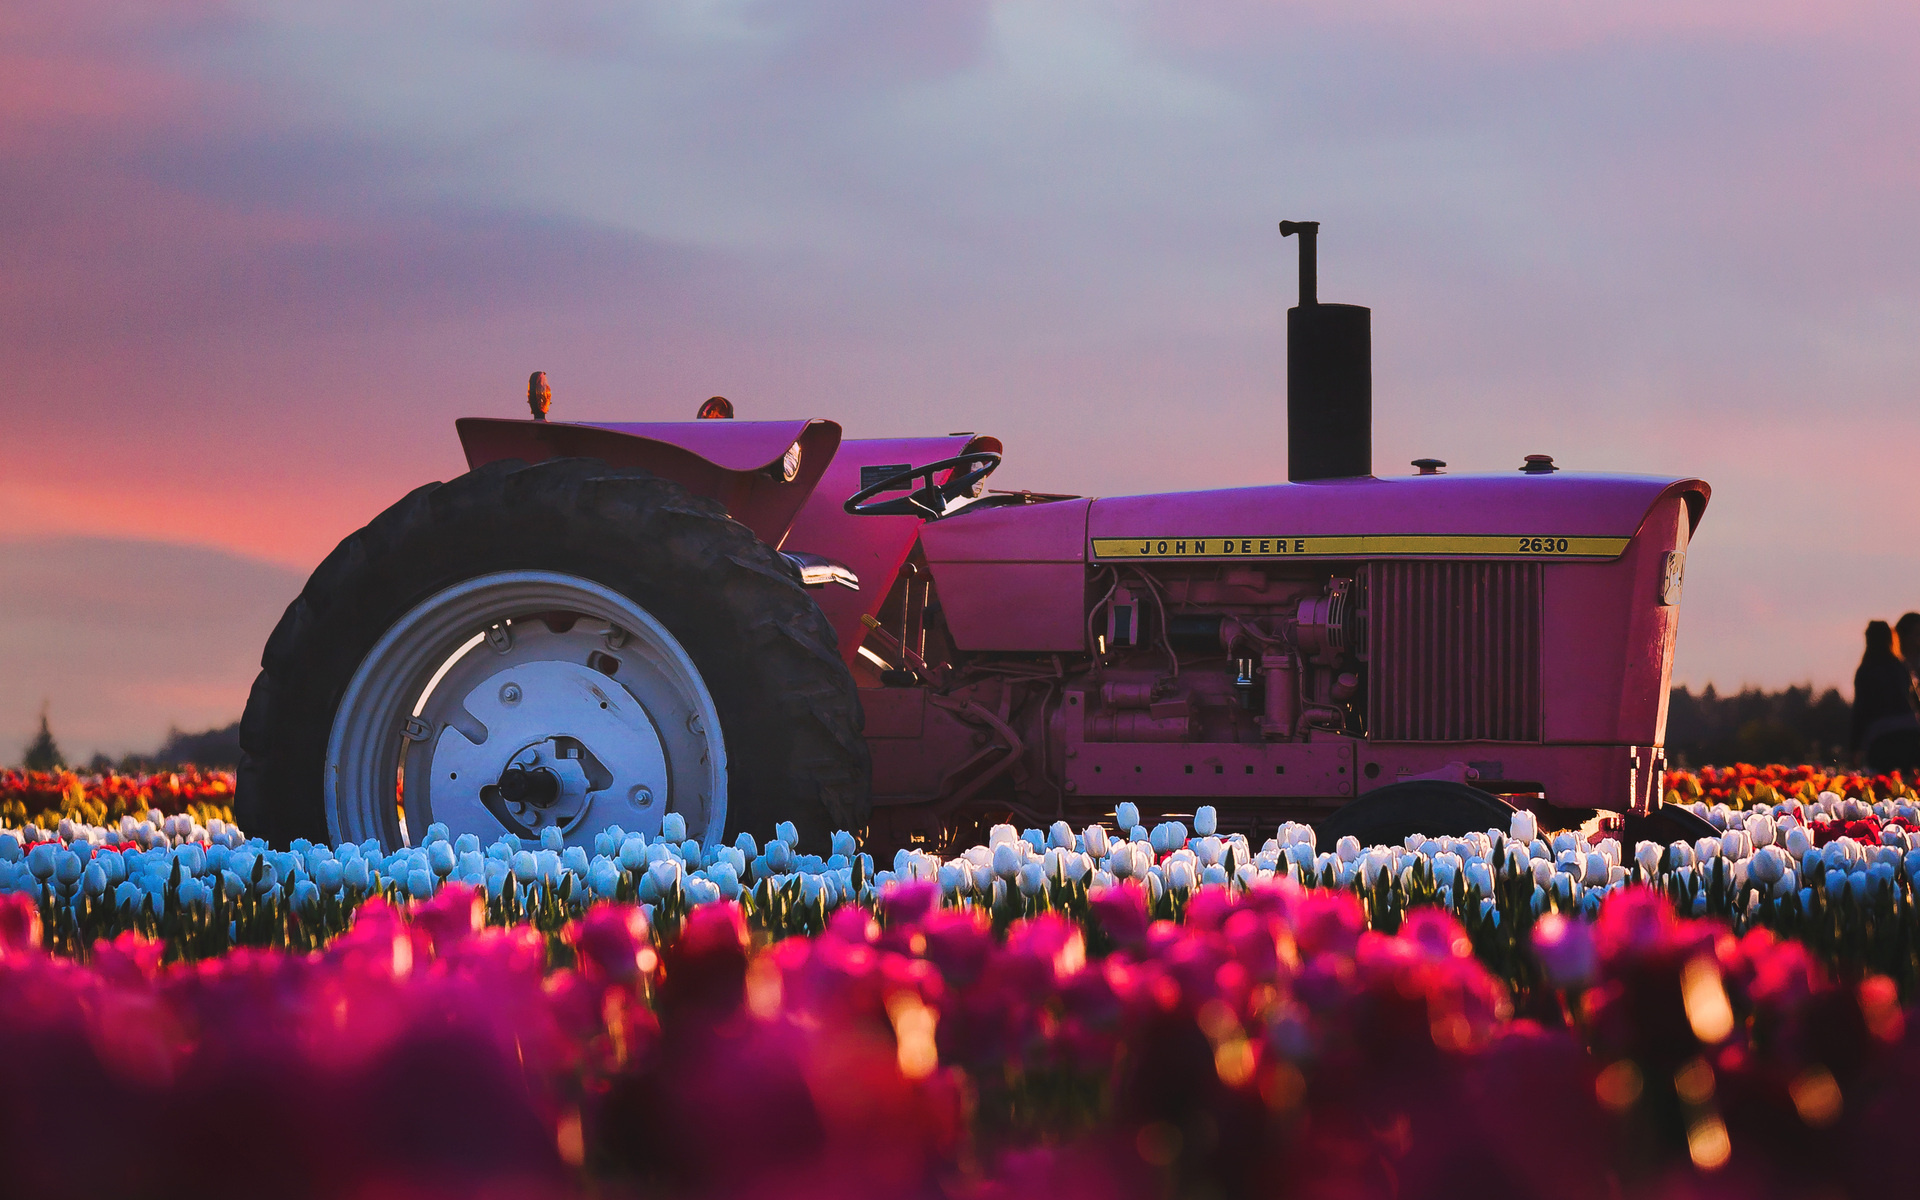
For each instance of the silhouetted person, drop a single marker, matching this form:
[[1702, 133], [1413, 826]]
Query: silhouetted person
[[1906, 635], [1885, 727]]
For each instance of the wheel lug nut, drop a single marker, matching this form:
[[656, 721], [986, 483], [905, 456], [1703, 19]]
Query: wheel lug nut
[[510, 694]]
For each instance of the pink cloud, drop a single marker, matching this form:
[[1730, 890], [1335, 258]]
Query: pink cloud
[[1528, 26]]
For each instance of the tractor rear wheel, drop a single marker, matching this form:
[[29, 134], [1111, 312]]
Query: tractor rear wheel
[[563, 645], [1390, 815]]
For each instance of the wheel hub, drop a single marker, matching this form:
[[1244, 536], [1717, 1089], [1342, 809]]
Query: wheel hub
[[534, 762]]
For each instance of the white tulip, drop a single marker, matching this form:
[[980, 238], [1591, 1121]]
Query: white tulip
[[664, 873], [1646, 856], [1032, 879], [1798, 842], [811, 887], [1126, 814], [1095, 841], [673, 827], [954, 879], [1205, 820], [192, 859], [328, 875], [1523, 828], [1371, 864], [1480, 875], [603, 877], [633, 853], [1006, 860], [42, 859]]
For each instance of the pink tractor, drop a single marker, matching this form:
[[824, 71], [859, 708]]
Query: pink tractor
[[749, 622]]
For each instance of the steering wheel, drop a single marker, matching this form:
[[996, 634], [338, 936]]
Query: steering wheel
[[929, 502]]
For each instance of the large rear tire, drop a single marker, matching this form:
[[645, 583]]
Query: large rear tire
[[567, 593]]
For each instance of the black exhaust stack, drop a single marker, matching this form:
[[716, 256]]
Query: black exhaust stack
[[1329, 378]]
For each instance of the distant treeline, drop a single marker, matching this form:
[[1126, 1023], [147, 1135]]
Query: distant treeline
[[208, 748], [1752, 726]]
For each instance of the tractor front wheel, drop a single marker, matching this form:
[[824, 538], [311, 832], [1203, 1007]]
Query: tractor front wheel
[[1666, 824], [561, 646], [1390, 815]]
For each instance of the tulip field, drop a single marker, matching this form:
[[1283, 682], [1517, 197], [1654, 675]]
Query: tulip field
[[1115, 1011]]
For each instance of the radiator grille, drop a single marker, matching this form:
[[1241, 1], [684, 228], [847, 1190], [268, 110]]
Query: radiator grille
[[1454, 650]]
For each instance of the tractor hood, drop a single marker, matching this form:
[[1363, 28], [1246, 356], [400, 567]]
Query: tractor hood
[[739, 463], [1560, 516]]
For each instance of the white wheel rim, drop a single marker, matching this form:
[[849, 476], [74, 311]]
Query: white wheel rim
[[490, 674]]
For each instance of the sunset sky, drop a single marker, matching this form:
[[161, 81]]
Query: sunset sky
[[256, 257]]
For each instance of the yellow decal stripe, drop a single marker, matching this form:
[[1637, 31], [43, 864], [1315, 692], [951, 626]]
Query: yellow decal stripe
[[1362, 546]]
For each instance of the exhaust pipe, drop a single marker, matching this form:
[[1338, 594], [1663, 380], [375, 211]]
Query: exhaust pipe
[[1329, 377]]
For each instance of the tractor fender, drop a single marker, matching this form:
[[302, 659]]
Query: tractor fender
[[738, 463]]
